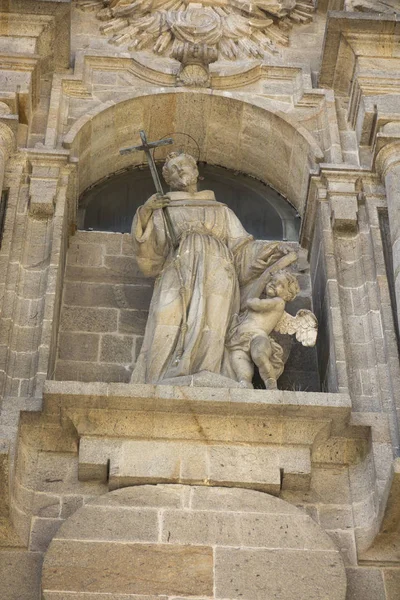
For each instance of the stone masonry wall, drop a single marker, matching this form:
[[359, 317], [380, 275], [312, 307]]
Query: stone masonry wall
[[105, 307]]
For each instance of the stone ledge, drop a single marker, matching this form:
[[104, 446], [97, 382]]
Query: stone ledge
[[265, 440], [70, 395]]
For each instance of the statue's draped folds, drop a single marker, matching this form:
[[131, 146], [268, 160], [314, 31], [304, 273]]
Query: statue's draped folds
[[197, 287]]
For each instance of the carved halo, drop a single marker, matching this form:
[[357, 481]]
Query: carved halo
[[183, 143]]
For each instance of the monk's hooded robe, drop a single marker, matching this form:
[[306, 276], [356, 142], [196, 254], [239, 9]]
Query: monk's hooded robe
[[197, 288]]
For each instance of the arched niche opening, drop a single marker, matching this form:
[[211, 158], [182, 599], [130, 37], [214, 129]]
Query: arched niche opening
[[104, 288], [238, 135], [105, 293], [111, 204]]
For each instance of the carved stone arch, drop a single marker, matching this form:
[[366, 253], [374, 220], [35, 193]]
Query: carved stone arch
[[170, 541], [231, 132]]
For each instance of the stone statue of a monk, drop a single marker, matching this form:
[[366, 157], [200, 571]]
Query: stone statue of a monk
[[197, 289]]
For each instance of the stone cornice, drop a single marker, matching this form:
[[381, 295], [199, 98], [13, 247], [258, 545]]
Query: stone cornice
[[343, 27], [59, 13]]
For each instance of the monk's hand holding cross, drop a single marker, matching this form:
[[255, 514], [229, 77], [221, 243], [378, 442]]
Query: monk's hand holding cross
[[153, 203]]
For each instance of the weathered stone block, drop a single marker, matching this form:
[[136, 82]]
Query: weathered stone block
[[117, 568], [42, 196], [88, 372], [236, 500], [265, 573], [116, 524], [346, 543], [152, 496], [124, 268], [132, 321], [242, 529], [85, 255], [257, 469], [117, 349], [89, 294], [46, 505], [42, 532], [392, 583], [69, 505], [20, 572], [76, 318], [78, 346], [363, 583], [336, 517], [111, 241], [108, 295]]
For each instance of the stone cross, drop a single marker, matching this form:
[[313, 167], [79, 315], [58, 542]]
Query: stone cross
[[146, 147]]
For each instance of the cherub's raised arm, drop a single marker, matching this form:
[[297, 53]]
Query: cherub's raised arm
[[265, 305]]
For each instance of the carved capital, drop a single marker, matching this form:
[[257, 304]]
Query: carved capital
[[388, 157]]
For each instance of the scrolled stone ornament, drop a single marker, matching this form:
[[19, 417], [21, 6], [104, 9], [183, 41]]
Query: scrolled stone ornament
[[195, 60], [235, 28], [194, 24]]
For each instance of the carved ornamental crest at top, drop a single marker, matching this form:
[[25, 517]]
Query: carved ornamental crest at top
[[232, 29]]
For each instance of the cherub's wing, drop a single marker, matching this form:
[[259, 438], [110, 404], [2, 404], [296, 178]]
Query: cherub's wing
[[287, 324], [304, 325]]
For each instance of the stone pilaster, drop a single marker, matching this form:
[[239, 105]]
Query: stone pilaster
[[7, 141], [388, 166]]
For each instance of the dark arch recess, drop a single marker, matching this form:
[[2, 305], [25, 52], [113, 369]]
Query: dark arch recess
[[111, 204]]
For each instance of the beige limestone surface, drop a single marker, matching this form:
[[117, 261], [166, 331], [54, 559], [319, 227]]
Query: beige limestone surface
[[179, 541], [319, 122]]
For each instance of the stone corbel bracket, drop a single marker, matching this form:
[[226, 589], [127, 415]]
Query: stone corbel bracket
[[343, 197], [46, 172], [134, 434], [195, 60]]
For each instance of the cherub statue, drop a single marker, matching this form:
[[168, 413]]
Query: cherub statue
[[250, 341]]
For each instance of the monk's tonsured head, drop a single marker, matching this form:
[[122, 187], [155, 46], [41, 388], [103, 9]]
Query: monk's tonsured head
[[180, 171]]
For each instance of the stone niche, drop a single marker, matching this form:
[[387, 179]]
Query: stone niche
[[176, 541], [106, 298]]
